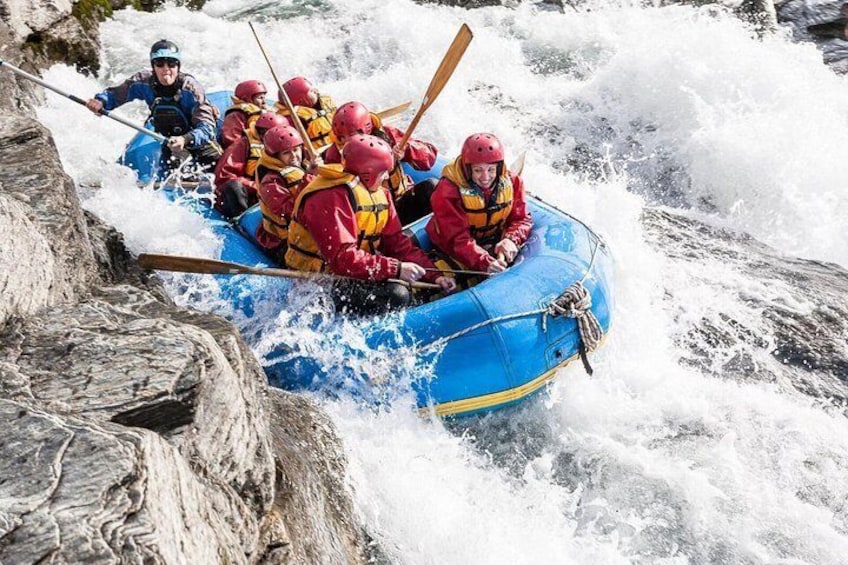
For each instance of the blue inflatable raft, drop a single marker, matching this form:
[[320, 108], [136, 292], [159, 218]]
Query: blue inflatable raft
[[477, 350]]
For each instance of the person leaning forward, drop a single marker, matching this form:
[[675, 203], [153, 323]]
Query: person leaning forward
[[235, 183], [314, 109], [281, 176], [345, 223], [248, 104], [178, 106], [480, 217], [411, 201]]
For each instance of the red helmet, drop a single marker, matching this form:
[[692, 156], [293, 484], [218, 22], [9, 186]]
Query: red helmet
[[352, 118], [482, 148], [280, 139], [367, 157], [269, 120], [298, 90], [246, 90]]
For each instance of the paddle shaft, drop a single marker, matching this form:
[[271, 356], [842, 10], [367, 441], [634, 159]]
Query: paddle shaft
[[443, 73], [78, 100], [307, 143], [215, 267], [459, 272]]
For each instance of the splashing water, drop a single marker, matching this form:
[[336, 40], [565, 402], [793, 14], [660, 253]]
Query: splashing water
[[619, 108]]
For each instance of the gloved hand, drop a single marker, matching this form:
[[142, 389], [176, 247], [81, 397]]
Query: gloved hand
[[411, 272], [177, 143]]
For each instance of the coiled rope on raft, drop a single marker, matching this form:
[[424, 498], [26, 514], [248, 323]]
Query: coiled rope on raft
[[574, 302]]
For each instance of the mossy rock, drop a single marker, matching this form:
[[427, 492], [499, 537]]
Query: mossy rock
[[91, 12]]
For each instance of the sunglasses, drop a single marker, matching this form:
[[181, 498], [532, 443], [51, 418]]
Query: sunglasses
[[171, 63]]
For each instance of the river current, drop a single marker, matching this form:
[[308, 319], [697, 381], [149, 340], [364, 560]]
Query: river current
[[620, 109]]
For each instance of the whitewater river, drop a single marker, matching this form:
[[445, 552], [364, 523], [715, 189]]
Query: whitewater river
[[619, 109]]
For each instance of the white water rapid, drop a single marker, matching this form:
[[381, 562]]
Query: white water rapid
[[619, 108]]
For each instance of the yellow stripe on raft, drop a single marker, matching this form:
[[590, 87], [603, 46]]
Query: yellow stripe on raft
[[496, 398]]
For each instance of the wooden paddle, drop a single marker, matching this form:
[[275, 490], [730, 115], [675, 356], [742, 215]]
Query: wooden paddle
[[443, 73], [215, 267], [459, 272], [307, 143], [184, 184], [393, 111]]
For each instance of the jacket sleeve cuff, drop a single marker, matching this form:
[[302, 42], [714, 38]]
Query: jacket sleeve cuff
[[392, 268]]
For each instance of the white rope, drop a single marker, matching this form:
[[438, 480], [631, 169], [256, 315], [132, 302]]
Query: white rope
[[576, 302]]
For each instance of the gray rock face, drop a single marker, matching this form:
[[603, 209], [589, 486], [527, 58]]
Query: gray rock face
[[51, 207], [794, 333], [25, 17], [139, 431], [134, 431], [26, 269], [821, 22]]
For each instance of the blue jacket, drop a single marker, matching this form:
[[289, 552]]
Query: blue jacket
[[188, 95]]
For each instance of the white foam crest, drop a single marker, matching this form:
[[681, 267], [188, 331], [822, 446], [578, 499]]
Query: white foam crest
[[668, 456], [756, 125], [718, 463], [152, 223], [429, 498], [88, 145]]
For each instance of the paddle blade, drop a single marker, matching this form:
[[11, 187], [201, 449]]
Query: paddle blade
[[443, 73], [449, 63], [394, 110], [189, 265]]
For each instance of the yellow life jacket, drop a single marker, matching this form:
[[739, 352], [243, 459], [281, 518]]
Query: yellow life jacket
[[397, 181], [317, 123], [485, 219], [254, 152], [292, 176], [252, 111], [372, 215]]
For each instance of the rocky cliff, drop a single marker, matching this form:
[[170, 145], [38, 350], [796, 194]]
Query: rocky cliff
[[133, 430]]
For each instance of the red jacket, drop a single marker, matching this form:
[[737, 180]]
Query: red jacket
[[279, 198], [449, 231], [232, 166], [233, 127], [329, 217], [419, 154]]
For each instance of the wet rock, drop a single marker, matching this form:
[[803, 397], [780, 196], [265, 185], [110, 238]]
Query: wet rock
[[25, 17], [48, 199], [132, 407], [26, 268], [821, 23], [79, 492], [311, 473], [799, 337], [134, 431]]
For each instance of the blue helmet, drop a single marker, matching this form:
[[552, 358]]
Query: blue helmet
[[164, 49]]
